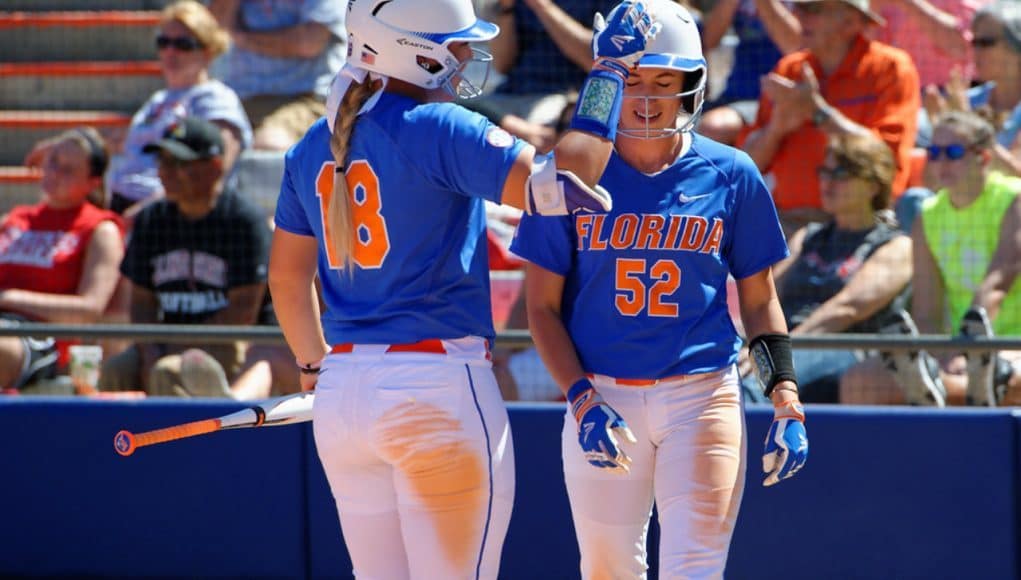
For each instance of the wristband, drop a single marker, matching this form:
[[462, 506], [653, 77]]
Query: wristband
[[598, 107], [582, 397], [773, 360], [789, 410], [307, 368], [821, 115]]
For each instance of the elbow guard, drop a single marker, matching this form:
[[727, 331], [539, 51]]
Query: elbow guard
[[774, 361], [552, 191]]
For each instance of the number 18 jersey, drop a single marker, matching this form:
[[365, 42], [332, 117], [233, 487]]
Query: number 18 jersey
[[417, 175]]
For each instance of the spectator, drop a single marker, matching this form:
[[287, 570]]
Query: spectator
[[934, 32], [996, 32], [863, 85], [965, 264], [997, 39], [58, 258], [544, 50], [188, 39], [765, 30], [849, 274], [283, 58], [197, 257]]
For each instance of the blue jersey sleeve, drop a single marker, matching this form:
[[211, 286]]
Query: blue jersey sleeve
[[757, 240], [290, 216], [460, 150], [546, 241]]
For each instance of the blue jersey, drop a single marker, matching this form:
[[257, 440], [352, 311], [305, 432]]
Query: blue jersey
[[645, 285], [418, 174]]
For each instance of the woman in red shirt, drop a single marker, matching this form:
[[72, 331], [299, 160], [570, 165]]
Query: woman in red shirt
[[59, 258]]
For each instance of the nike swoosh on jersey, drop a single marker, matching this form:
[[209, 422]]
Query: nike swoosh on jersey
[[686, 198]]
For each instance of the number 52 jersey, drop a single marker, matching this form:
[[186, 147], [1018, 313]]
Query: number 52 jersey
[[645, 284]]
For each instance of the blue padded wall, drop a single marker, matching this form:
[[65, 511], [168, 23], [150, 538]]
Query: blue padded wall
[[887, 493]]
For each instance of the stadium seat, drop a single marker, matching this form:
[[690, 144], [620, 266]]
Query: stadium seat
[[258, 178]]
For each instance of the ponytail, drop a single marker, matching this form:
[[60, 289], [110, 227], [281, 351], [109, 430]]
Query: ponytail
[[338, 213]]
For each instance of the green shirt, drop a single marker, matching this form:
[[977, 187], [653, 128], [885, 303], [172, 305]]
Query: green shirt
[[963, 241]]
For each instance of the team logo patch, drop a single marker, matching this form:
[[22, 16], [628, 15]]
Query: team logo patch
[[497, 137]]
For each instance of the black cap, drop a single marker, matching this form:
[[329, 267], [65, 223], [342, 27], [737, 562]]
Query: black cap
[[189, 139]]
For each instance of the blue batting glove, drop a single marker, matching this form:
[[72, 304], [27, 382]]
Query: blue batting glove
[[786, 444], [619, 40], [598, 428]]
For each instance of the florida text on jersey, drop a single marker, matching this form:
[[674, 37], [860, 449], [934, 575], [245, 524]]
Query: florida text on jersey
[[657, 264]]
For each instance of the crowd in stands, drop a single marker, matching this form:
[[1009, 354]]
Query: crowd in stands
[[889, 133]]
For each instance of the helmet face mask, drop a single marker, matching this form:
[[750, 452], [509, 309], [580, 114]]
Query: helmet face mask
[[410, 40], [689, 110], [468, 80], [677, 47]]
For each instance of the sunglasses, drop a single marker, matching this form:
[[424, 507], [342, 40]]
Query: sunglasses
[[182, 43], [953, 151], [838, 173], [985, 41]]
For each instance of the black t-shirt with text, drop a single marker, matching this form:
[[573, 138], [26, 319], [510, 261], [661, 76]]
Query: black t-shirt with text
[[191, 264]]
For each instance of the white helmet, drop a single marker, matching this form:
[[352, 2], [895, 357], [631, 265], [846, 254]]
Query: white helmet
[[408, 40], [678, 46]]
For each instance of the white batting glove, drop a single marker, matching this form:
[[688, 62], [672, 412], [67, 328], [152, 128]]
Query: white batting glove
[[599, 426], [786, 444]]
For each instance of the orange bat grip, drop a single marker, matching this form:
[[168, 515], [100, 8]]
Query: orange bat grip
[[176, 432]]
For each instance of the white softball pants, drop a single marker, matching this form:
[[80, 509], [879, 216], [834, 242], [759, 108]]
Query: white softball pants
[[690, 459], [418, 454]]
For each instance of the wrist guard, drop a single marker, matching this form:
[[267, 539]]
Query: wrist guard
[[773, 360], [598, 108]]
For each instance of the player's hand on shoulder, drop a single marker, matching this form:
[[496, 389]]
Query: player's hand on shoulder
[[621, 37], [786, 443], [599, 428]]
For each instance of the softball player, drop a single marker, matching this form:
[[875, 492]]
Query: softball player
[[628, 310], [384, 200]]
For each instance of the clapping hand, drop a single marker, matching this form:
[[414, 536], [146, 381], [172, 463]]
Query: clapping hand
[[793, 101]]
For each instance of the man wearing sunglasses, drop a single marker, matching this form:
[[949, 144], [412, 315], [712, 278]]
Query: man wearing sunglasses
[[199, 256], [281, 62], [840, 83]]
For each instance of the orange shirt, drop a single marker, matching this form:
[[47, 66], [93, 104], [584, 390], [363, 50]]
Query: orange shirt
[[875, 86]]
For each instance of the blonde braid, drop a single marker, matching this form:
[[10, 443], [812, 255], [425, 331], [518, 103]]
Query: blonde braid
[[338, 212]]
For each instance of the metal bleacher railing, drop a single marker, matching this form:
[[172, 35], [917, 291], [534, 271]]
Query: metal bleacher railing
[[183, 333]]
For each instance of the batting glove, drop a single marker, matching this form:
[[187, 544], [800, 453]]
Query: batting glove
[[619, 40], [786, 444], [599, 426]]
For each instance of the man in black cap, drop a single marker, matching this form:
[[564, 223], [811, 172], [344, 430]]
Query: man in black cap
[[199, 256]]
